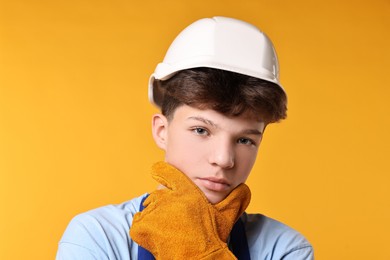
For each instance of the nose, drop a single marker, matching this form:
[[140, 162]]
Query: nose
[[222, 154]]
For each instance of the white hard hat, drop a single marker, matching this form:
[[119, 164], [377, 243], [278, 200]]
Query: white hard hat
[[220, 43]]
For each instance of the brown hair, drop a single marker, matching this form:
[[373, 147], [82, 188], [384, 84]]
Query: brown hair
[[226, 92]]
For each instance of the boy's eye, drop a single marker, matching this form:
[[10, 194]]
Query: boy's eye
[[200, 131], [245, 141]]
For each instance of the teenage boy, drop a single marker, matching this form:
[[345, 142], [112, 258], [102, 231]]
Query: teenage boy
[[218, 88]]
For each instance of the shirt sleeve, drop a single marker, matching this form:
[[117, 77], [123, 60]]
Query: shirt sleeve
[[269, 239], [81, 241], [302, 253], [101, 234], [69, 251]]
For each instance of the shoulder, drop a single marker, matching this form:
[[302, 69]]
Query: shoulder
[[271, 239], [102, 233]]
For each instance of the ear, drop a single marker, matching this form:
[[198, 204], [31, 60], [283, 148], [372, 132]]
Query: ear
[[160, 130]]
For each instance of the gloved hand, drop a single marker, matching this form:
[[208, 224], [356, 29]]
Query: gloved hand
[[180, 223]]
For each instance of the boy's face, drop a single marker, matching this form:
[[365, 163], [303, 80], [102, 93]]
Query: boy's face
[[216, 152]]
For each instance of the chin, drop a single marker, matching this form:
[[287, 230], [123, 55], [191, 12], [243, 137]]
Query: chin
[[214, 198]]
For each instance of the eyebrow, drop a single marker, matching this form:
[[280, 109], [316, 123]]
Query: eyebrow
[[211, 123], [252, 132], [204, 120]]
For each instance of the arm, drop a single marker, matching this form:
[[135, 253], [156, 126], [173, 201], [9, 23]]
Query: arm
[[102, 233], [69, 251], [77, 242], [302, 253], [273, 240]]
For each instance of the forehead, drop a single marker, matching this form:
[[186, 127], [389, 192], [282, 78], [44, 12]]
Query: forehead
[[248, 115], [187, 114]]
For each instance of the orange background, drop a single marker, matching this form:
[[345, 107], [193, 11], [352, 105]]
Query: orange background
[[75, 119]]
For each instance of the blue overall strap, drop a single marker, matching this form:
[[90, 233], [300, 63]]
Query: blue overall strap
[[143, 254], [238, 241]]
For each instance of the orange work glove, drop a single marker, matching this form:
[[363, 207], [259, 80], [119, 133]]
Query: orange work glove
[[180, 223]]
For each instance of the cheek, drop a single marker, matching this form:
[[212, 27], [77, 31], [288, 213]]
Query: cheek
[[184, 150], [245, 161]]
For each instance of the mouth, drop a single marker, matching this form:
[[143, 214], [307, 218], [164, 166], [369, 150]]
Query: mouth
[[214, 184]]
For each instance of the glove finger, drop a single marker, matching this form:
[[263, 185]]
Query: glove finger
[[171, 177], [153, 197], [150, 204], [230, 209], [235, 203]]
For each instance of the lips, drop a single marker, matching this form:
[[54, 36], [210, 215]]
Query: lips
[[214, 184]]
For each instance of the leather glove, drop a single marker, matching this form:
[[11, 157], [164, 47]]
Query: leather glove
[[180, 223]]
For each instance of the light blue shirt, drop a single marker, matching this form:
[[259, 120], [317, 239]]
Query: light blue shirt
[[103, 233]]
